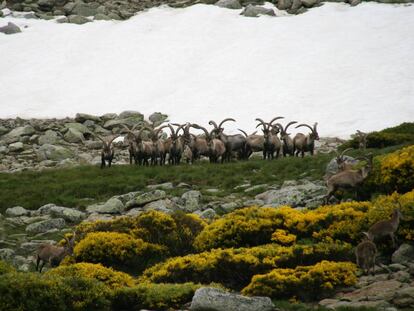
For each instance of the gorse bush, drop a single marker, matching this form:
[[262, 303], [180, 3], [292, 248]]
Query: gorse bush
[[34, 292], [111, 278], [176, 232], [234, 267], [282, 237], [304, 281], [153, 296], [118, 250]]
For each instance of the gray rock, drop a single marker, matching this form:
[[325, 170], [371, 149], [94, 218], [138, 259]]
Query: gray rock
[[255, 11], [17, 211], [109, 116], [16, 147], [229, 4], [93, 144], [3, 130], [381, 290], [157, 118], [78, 126], [164, 186], [404, 298], [55, 153], [112, 206], [213, 299], [130, 121], [6, 253], [332, 167], [165, 206], [43, 210], [46, 225], [49, 137], [77, 19], [131, 113], [253, 203], [68, 214], [46, 5], [191, 200], [207, 214], [354, 2], [74, 136], [309, 4], [10, 29], [294, 196], [284, 4], [4, 150], [68, 8], [296, 5], [102, 17], [146, 198], [379, 305], [84, 9], [62, 20], [27, 130], [403, 254]]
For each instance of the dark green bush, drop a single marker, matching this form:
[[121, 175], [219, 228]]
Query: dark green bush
[[34, 292], [153, 296]]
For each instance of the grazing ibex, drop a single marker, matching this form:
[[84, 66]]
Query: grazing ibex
[[349, 178], [53, 255], [305, 143], [271, 143], [365, 254], [234, 143], [107, 153], [385, 227], [287, 140], [216, 148]]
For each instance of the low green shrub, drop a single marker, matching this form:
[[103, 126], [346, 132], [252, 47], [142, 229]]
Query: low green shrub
[[6, 267], [153, 296], [35, 292], [305, 282], [111, 278], [234, 267], [118, 250]]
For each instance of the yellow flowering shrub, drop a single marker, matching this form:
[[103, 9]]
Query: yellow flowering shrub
[[303, 281], [282, 237], [111, 278], [118, 250], [176, 231], [153, 296], [396, 171], [234, 267]]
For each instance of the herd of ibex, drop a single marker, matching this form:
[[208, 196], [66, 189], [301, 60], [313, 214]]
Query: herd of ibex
[[213, 144]]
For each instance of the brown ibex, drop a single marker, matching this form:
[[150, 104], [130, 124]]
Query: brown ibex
[[108, 152], [348, 179], [158, 147], [385, 227], [197, 144], [130, 140], [271, 143], [365, 253], [254, 143], [216, 148], [305, 143], [53, 255], [287, 140], [177, 144], [144, 149]]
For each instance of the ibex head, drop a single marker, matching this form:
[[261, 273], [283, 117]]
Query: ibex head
[[218, 129], [314, 132]]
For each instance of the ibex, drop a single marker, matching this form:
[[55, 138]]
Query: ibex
[[385, 227], [130, 139], [144, 149], [305, 143], [216, 148], [177, 144], [188, 155], [271, 143], [365, 253], [254, 143], [348, 179], [233, 143], [48, 253], [158, 149], [107, 153], [198, 145], [287, 140]]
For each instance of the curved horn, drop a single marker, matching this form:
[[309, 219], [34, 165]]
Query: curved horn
[[225, 120], [201, 128], [158, 130], [345, 151], [314, 127], [261, 123], [113, 138], [179, 128], [274, 119], [245, 134], [211, 122], [306, 125], [289, 124], [171, 129]]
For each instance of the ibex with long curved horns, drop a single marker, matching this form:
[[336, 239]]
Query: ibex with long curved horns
[[108, 152], [177, 144], [286, 139], [198, 145], [271, 143], [254, 143], [305, 143], [233, 143], [130, 140], [144, 149], [158, 152], [216, 148]]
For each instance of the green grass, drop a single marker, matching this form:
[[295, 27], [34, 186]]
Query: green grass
[[82, 186]]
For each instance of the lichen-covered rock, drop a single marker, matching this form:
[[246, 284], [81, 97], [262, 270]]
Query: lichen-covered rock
[[77, 19], [17, 211], [55, 153], [46, 225], [10, 29], [213, 299], [146, 198], [49, 137], [68, 214], [403, 254], [255, 11], [112, 206], [16, 147], [191, 200], [19, 131], [229, 4]]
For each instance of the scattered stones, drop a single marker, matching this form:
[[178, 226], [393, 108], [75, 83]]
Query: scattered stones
[[68, 214], [229, 4], [213, 299], [191, 200], [6, 253], [46, 225], [146, 198], [255, 11], [17, 211], [53, 152], [112, 206], [10, 29], [18, 132]]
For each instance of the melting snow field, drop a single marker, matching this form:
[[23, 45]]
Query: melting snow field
[[347, 68]]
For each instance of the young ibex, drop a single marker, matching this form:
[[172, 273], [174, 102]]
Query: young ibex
[[385, 227], [305, 143], [53, 255], [365, 254], [216, 148], [287, 140], [234, 143], [271, 143], [108, 152], [348, 179]]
